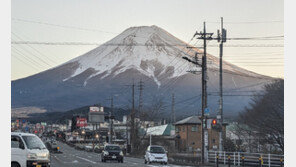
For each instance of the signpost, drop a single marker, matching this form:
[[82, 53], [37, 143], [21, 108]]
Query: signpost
[[95, 117], [207, 111]]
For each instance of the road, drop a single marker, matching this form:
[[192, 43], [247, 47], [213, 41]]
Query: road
[[78, 158]]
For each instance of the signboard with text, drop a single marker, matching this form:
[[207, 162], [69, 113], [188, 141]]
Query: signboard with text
[[81, 122], [96, 109], [96, 115]]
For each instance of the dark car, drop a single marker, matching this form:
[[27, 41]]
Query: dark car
[[112, 152]]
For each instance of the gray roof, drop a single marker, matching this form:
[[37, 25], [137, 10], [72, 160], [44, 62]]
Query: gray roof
[[189, 120]]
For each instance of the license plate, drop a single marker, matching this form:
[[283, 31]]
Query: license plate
[[38, 165], [113, 157]]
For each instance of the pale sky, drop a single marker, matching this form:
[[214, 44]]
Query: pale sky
[[107, 18]]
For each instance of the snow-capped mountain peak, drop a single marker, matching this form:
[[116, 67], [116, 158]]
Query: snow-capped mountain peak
[[148, 49]]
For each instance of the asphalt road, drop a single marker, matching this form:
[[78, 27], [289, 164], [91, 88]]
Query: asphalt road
[[77, 158]]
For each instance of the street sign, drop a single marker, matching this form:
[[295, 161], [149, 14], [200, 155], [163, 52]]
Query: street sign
[[207, 111]]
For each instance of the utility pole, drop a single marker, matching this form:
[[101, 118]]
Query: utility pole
[[133, 117], [204, 130], [111, 121], [205, 36], [110, 117], [173, 116], [221, 39], [141, 88]]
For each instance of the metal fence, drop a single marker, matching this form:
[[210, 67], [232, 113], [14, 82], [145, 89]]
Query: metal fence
[[245, 159]]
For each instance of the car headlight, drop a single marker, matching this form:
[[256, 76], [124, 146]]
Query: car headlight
[[32, 156], [106, 152], [121, 153]]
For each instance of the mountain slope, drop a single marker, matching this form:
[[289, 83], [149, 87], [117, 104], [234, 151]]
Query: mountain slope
[[146, 53]]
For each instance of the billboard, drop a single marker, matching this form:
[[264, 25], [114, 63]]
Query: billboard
[[96, 109], [96, 115], [81, 122]]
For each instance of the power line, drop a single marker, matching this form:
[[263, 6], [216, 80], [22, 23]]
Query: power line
[[243, 75], [264, 65], [119, 44], [30, 53], [250, 22], [63, 26], [24, 62], [185, 100], [19, 52], [35, 49]]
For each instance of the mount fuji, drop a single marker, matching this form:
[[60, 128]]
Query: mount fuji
[[146, 53]]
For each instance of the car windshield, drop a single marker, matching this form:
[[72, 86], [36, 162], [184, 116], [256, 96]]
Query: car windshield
[[33, 142], [159, 150], [111, 148]]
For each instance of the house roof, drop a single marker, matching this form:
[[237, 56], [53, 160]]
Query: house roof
[[162, 130], [189, 120]]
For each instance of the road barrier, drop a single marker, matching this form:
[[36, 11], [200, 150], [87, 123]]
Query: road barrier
[[245, 159]]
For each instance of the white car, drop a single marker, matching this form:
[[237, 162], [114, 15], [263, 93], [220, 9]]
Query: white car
[[28, 150], [156, 154]]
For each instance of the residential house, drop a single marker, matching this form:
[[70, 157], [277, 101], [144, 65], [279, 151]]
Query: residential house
[[189, 132]]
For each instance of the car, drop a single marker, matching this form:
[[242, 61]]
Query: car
[[112, 152], [98, 148], [88, 147], [28, 150], [54, 146], [155, 154]]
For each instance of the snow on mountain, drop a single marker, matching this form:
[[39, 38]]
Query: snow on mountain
[[148, 49], [146, 53]]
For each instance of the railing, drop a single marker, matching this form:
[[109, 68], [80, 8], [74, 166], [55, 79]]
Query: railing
[[245, 159], [229, 159]]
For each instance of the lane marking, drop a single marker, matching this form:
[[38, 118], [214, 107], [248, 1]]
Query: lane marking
[[86, 159]]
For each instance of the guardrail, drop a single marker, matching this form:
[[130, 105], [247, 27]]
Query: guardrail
[[245, 159]]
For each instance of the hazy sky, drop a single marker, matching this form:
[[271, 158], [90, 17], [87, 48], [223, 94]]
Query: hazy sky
[[103, 20]]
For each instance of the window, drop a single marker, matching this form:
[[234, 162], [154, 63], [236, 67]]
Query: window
[[16, 142], [112, 148], [214, 141], [194, 129], [183, 128], [159, 150], [33, 142], [177, 129]]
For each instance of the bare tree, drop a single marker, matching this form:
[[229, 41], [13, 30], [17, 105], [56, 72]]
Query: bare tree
[[266, 114], [154, 111]]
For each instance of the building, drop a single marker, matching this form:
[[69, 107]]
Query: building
[[188, 131]]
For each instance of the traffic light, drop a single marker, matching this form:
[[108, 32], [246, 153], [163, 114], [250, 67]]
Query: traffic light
[[214, 124]]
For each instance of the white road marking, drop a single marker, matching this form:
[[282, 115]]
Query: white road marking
[[86, 159]]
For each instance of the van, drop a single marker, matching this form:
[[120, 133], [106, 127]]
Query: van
[[28, 150]]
